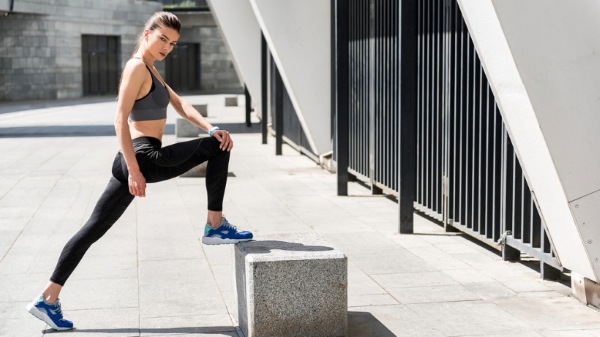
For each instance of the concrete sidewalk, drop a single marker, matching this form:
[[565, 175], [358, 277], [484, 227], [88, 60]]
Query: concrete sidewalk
[[151, 276]]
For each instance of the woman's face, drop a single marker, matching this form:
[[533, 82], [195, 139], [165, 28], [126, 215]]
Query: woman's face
[[161, 41]]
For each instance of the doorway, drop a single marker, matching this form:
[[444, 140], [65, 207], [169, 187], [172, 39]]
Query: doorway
[[100, 65]]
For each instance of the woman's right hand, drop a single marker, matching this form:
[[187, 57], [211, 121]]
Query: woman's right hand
[[137, 184]]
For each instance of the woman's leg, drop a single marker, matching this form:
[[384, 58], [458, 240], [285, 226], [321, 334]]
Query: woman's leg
[[174, 160], [109, 208]]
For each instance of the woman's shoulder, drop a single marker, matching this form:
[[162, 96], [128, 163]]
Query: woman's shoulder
[[135, 64], [135, 67]]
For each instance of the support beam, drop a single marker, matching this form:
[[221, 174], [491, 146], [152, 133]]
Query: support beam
[[408, 115], [339, 90], [248, 106], [279, 88], [264, 57]]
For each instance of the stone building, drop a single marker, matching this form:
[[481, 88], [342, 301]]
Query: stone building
[[64, 49]]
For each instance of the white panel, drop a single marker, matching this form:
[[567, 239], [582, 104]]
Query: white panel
[[555, 45], [524, 130], [241, 33], [587, 215], [298, 35]]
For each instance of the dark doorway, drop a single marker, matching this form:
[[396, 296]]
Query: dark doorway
[[100, 64], [182, 67]]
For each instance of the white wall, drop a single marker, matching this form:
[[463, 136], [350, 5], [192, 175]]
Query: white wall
[[241, 33], [4, 5], [298, 35], [541, 58]]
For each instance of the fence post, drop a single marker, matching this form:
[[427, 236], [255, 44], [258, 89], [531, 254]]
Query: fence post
[[248, 105], [279, 88], [407, 168], [339, 90], [263, 88]]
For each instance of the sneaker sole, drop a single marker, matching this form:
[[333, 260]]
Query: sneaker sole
[[219, 241], [43, 317]]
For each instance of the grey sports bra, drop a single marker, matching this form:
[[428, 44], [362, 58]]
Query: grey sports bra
[[153, 106]]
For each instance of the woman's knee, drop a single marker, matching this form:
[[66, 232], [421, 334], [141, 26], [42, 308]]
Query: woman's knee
[[213, 146]]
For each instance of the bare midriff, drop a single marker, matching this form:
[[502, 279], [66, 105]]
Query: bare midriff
[[154, 129]]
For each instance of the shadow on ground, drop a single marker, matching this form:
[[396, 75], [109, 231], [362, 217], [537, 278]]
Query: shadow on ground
[[361, 324], [220, 330], [266, 246], [99, 130]]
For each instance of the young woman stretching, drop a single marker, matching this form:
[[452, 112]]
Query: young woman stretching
[[139, 124]]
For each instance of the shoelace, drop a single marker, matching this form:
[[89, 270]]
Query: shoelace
[[230, 226], [59, 309]]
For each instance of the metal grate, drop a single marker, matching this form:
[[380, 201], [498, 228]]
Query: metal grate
[[466, 172], [292, 132], [374, 54], [386, 88], [359, 51], [468, 175]]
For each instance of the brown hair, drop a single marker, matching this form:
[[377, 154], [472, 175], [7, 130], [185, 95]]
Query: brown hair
[[158, 20]]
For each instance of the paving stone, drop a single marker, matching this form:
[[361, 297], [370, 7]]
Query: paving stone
[[150, 275]]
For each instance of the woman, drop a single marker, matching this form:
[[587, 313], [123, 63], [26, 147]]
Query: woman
[[139, 124]]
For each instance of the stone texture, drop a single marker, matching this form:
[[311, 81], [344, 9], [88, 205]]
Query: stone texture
[[202, 109], [42, 39], [231, 101], [291, 285], [196, 172], [183, 128], [214, 57]]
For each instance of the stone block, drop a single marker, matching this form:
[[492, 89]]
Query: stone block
[[231, 101], [196, 172], [291, 284], [202, 109], [183, 128]]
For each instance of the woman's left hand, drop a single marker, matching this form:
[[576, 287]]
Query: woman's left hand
[[225, 139]]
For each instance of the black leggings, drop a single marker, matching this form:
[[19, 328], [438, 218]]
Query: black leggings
[[156, 164]]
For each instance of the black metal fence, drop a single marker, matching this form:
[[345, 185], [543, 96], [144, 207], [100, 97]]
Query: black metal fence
[[374, 52], [287, 126], [466, 172]]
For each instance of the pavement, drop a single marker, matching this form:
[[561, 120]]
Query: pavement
[[151, 276]]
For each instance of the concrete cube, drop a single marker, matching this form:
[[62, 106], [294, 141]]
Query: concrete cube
[[291, 285], [183, 128], [197, 171], [231, 101], [202, 109]]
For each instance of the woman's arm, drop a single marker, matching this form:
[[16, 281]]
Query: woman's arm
[[131, 83], [187, 111]]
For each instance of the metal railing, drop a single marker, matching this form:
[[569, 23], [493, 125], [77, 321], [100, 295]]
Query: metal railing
[[360, 91], [374, 55], [467, 173], [286, 124]]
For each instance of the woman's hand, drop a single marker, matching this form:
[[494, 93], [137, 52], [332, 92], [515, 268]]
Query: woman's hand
[[225, 139], [137, 184]]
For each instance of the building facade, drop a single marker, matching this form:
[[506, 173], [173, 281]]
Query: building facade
[[72, 49]]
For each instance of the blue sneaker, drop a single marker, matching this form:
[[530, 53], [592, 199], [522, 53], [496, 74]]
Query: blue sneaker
[[51, 314], [226, 233]]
